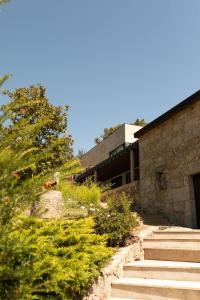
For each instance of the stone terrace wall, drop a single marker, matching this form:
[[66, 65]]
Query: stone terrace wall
[[169, 156], [132, 189]]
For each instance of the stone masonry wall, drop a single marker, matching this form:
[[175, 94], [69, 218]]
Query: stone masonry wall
[[132, 189], [169, 156]]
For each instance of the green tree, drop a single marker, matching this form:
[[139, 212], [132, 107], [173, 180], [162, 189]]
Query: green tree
[[140, 122], [30, 107]]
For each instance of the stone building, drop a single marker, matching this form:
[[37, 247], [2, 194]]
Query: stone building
[[169, 150], [164, 164]]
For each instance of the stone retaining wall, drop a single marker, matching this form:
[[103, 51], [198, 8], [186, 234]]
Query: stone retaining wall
[[132, 189], [101, 289]]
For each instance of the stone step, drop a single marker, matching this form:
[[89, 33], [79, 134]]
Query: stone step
[[172, 254], [154, 269], [127, 298], [176, 234], [172, 243], [154, 289]]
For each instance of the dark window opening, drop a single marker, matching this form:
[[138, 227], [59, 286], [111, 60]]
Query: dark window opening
[[161, 180], [116, 182], [118, 149], [128, 177]]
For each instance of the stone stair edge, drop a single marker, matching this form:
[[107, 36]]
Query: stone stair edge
[[160, 283], [163, 264]]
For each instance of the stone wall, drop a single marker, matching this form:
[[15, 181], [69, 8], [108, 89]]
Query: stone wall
[[169, 156], [101, 289], [132, 189]]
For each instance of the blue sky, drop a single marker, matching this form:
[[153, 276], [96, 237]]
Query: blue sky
[[112, 61]]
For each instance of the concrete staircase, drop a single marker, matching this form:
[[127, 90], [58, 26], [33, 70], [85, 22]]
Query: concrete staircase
[[170, 269]]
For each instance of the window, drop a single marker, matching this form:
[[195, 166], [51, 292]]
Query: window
[[161, 180], [118, 149], [116, 182]]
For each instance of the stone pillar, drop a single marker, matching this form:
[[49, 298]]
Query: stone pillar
[[132, 165], [95, 176]]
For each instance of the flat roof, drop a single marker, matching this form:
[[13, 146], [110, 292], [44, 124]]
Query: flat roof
[[168, 114]]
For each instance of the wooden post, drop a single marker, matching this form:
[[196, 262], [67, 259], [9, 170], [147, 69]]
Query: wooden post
[[132, 165]]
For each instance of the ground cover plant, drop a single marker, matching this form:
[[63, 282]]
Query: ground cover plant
[[50, 259]]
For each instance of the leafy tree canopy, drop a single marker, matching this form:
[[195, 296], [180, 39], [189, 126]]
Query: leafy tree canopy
[[110, 130], [30, 110]]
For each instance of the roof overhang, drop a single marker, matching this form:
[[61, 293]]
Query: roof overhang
[[111, 167], [170, 113]]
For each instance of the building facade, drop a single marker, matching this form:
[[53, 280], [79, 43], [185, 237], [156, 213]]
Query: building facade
[[111, 145], [163, 157], [115, 160], [169, 150]]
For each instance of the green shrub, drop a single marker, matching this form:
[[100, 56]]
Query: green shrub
[[81, 195], [116, 220], [42, 259]]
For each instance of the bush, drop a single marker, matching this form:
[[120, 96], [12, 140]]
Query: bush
[[116, 220], [42, 259], [81, 195]]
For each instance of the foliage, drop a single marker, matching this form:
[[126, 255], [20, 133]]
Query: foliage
[[33, 142], [80, 154], [70, 167], [116, 220], [40, 259], [140, 122], [108, 131], [50, 259], [4, 1], [30, 107], [5, 77], [81, 194], [14, 160]]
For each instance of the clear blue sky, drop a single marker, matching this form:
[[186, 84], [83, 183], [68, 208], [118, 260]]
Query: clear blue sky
[[110, 60]]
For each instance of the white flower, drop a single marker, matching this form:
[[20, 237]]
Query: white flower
[[82, 207]]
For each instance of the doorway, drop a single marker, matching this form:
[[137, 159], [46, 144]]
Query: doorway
[[196, 182]]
